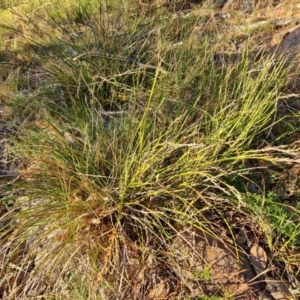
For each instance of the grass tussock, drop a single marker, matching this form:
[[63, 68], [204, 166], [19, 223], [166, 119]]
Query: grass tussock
[[129, 131]]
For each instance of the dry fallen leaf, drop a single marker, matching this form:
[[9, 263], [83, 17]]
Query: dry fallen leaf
[[259, 258], [160, 291], [278, 296]]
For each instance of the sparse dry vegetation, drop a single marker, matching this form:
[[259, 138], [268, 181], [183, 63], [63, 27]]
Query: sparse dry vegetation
[[150, 150]]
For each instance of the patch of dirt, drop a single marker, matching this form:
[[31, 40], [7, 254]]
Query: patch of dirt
[[208, 266], [289, 49], [196, 265]]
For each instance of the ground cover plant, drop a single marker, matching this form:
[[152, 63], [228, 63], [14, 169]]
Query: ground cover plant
[[137, 139]]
